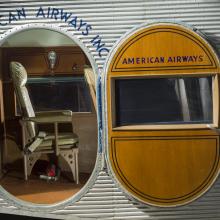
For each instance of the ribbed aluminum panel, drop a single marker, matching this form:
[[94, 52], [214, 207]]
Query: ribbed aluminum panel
[[111, 20], [106, 201], [4, 204]]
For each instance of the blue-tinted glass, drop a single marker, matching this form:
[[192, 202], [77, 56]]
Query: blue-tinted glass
[[55, 93], [163, 100]]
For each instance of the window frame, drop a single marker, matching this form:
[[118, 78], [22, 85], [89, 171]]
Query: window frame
[[215, 104], [44, 78]]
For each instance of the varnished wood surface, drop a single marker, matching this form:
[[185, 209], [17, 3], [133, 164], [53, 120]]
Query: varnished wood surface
[[91, 82], [163, 165], [155, 50], [168, 170], [70, 60]]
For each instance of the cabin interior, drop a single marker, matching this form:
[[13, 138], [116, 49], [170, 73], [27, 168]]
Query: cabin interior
[[53, 84]]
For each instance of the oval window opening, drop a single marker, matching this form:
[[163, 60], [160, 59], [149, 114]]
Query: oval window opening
[[49, 116]]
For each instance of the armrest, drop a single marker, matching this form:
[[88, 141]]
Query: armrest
[[57, 112], [61, 116]]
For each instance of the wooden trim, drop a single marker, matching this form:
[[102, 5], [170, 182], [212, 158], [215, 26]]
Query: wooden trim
[[215, 93], [90, 79], [164, 127], [161, 75], [113, 109]]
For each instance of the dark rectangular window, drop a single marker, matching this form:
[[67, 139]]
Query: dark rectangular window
[[183, 100], [56, 93]]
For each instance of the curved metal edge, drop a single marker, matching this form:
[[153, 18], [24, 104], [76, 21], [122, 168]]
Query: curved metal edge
[[112, 52], [27, 206]]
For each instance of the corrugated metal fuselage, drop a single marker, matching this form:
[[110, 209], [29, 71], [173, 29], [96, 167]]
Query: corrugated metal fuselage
[[109, 21]]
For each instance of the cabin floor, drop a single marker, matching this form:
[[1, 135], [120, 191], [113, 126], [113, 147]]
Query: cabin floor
[[40, 191]]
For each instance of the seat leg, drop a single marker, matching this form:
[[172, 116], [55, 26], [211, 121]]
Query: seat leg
[[29, 161], [76, 166], [25, 167], [71, 157]]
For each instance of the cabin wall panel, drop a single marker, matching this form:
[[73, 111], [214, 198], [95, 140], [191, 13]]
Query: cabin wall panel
[[70, 60]]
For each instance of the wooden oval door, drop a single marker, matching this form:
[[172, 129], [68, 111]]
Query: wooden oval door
[[163, 106]]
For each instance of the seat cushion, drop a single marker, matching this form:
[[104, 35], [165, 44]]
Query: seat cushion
[[63, 139]]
